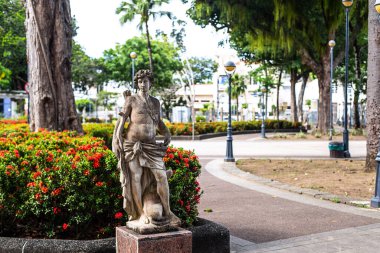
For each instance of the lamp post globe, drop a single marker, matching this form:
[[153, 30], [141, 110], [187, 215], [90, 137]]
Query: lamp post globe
[[133, 56], [230, 68], [347, 3]]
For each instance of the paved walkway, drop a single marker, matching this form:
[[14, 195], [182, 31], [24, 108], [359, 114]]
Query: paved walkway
[[266, 219]]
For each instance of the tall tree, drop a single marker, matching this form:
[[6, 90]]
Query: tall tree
[[12, 43], [116, 62], [373, 87], [293, 27], [49, 38], [145, 9], [239, 87]]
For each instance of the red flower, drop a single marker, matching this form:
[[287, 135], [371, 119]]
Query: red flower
[[31, 184], [187, 208], [118, 215], [56, 210], [44, 189], [180, 202], [186, 160], [64, 226], [36, 174], [23, 163], [38, 152], [37, 196], [17, 154], [86, 172], [9, 167], [56, 192], [99, 184], [171, 156]]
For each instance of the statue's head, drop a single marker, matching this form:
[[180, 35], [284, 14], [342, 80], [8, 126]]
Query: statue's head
[[143, 74]]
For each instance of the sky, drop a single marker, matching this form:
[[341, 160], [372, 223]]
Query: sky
[[100, 28]]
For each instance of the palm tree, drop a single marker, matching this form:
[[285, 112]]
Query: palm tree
[[238, 88], [143, 8]]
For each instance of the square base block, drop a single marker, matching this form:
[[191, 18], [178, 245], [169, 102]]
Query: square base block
[[128, 241]]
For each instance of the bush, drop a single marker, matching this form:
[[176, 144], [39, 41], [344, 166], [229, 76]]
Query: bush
[[200, 118], [185, 190], [60, 185]]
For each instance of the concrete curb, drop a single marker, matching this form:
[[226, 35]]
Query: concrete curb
[[207, 237]]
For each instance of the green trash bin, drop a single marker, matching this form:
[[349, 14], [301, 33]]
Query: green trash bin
[[336, 149]]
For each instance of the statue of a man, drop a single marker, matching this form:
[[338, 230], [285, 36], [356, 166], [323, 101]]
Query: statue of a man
[[142, 171]]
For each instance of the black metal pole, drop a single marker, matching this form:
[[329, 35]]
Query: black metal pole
[[345, 131], [262, 116], [229, 152], [375, 201], [331, 85], [133, 75]]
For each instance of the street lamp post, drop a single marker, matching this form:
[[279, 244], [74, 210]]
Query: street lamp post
[[375, 201], [133, 56], [230, 69], [263, 112], [331, 45], [347, 4]]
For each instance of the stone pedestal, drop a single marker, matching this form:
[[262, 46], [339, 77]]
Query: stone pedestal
[[128, 241]]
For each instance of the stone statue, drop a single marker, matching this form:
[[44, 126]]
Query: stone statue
[[143, 175]]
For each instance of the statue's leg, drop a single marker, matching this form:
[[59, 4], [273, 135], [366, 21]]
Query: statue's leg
[[136, 173], [162, 190]]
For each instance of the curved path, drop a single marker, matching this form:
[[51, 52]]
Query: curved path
[[264, 219]]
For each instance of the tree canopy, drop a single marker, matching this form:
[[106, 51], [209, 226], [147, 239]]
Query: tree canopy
[[12, 45], [288, 27], [118, 64]]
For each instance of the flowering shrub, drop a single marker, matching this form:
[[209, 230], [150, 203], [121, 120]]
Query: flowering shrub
[[217, 127], [13, 121], [185, 191], [57, 185], [60, 185]]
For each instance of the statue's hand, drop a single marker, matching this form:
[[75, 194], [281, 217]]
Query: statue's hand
[[127, 93], [167, 141]]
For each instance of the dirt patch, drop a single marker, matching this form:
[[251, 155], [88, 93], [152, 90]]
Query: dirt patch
[[338, 177]]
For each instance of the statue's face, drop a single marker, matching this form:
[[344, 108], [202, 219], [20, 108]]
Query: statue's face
[[144, 84]]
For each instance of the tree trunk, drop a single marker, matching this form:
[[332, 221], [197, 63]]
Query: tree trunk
[[237, 108], [49, 36], [322, 71], [373, 88], [293, 104], [357, 85], [278, 96], [149, 47], [305, 77]]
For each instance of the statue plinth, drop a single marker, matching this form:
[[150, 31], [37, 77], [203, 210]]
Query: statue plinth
[[128, 241]]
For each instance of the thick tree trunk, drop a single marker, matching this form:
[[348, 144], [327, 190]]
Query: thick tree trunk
[[293, 103], [49, 35], [305, 77], [322, 70], [373, 87]]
